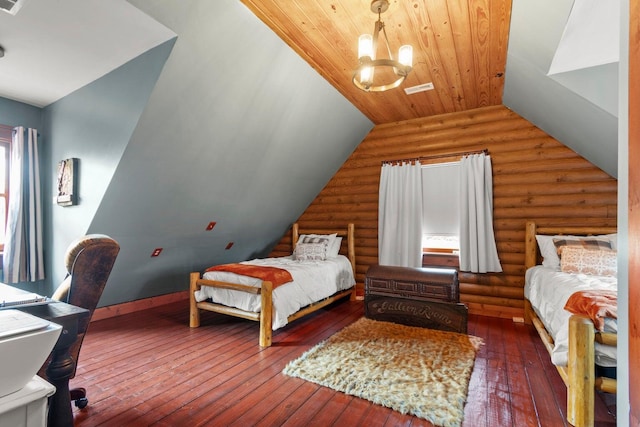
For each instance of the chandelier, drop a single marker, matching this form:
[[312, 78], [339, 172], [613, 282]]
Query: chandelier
[[393, 72]]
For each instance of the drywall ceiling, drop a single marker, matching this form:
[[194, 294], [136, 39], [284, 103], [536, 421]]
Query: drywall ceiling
[[579, 107], [52, 48], [591, 36]]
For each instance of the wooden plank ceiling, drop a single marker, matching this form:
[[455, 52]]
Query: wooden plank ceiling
[[458, 45]]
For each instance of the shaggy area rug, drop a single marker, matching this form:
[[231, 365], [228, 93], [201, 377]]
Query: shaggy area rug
[[417, 371]]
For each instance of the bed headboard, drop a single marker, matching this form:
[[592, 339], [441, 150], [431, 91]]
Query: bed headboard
[[531, 253], [346, 233]]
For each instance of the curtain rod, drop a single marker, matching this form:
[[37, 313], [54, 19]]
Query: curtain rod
[[438, 156]]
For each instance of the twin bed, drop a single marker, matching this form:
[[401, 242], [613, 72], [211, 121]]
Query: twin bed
[[279, 290], [586, 275]]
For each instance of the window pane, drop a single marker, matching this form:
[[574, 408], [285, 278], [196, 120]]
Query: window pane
[[440, 201], [440, 241]]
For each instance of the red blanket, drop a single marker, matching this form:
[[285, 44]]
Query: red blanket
[[277, 276], [596, 304]]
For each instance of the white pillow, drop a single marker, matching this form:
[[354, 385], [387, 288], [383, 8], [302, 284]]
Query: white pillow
[[549, 251], [311, 251], [334, 249], [613, 238]]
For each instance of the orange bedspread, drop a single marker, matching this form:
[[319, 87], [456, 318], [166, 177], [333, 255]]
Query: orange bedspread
[[596, 304], [277, 276]]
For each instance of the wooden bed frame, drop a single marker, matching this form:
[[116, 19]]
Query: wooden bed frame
[[579, 374], [265, 291]]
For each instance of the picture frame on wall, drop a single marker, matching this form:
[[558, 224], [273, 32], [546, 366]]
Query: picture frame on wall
[[67, 182]]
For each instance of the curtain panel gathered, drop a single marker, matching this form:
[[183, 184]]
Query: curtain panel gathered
[[400, 215], [23, 259], [478, 252]]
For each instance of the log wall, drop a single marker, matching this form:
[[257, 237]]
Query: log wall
[[535, 178]]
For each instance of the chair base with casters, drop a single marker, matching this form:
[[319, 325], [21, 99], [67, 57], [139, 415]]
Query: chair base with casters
[[79, 397]]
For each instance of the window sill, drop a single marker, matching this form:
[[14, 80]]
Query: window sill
[[440, 259]]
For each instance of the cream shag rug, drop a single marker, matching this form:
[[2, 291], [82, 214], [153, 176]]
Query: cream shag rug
[[417, 371]]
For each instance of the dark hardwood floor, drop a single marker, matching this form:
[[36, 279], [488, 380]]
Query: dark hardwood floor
[[150, 368]]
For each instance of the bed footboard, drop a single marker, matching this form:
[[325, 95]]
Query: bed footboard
[[194, 312], [578, 376], [580, 372], [264, 316]]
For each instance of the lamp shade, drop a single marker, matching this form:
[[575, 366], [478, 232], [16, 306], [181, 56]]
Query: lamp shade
[[405, 55], [366, 75], [365, 46]]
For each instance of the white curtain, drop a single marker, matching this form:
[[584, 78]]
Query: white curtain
[[478, 253], [400, 215], [23, 254]]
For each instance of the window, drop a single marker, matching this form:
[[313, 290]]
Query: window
[[5, 145], [441, 207]]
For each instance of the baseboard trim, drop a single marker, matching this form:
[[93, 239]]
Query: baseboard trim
[[141, 304]]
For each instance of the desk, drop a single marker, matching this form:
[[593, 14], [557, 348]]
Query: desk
[[62, 365], [26, 407]]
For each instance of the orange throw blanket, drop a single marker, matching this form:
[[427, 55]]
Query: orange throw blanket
[[596, 304], [277, 276]]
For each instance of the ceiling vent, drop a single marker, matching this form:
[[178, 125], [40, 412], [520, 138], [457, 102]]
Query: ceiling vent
[[11, 6], [420, 88]]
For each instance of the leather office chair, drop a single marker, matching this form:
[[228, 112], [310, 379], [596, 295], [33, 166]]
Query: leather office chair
[[89, 261]]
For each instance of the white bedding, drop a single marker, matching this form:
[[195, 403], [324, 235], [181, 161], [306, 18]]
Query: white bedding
[[312, 282], [548, 290]]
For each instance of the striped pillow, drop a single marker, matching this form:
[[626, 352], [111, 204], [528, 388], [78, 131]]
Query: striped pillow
[[587, 243]]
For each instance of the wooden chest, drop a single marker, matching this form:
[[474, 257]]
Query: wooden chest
[[427, 297]]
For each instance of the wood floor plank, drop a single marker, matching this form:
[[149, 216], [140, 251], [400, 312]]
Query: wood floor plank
[[354, 413], [377, 416], [476, 406], [331, 410], [477, 396], [516, 354], [396, 419], [280, 414], [149, 368], [310, 407], [247, 411], [499, 401], [546, 388]]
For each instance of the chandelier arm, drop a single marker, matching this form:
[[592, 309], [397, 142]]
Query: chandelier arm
[[386, 40], [376, 32]]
